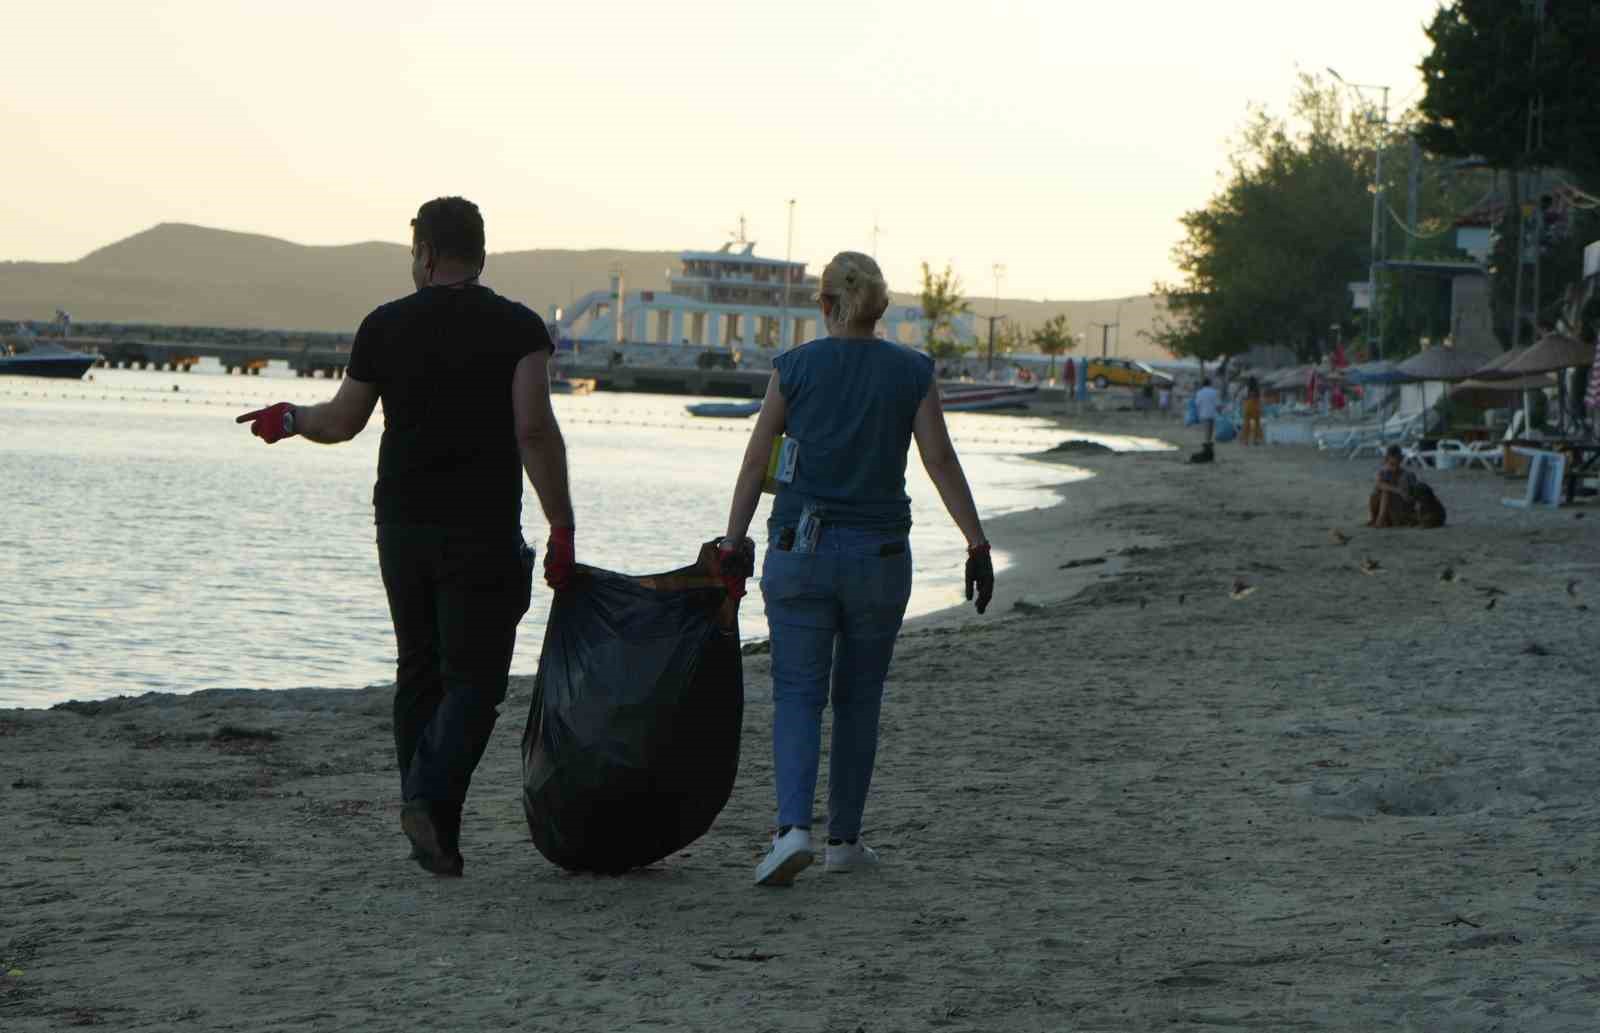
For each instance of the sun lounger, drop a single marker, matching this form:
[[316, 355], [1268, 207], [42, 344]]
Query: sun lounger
[[1394, 431]]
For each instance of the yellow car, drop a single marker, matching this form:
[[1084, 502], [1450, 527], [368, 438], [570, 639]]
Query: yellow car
[[1102, 373]]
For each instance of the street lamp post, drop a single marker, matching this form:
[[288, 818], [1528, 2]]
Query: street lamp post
[[1374, 314], [994, 315]]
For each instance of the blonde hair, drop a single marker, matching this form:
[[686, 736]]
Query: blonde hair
[[856, 286]]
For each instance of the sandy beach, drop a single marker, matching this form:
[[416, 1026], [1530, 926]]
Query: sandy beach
[[1123, 800]]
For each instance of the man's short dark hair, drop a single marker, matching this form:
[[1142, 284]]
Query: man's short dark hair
[[1394, 452], [452, 227]]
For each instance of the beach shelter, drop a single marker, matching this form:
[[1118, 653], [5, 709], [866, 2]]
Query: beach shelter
[[1380, 371], [1553, 353], [1493, 369], [1446, 365], [1493, 388]]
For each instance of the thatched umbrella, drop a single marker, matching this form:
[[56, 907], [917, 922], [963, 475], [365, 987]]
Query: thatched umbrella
[[1447, 364], [1444, 364], [1500, 394], [1553, 352], [1496, 369]]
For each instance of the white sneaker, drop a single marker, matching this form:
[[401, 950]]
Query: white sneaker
[[790, 855], [840, 858]]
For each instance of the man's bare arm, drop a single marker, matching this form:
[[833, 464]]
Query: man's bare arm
[[340, 418], [539, 441]]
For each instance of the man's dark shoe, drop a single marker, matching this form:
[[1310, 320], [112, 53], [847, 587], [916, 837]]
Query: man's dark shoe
[[416, 821]]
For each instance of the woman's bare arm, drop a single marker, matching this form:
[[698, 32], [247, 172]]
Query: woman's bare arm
[[944, 466], [757, 454]]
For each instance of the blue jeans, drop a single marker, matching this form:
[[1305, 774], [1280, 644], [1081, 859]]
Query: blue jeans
[[834, 615]]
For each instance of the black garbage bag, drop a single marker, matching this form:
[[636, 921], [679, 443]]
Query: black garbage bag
[[632, 744]]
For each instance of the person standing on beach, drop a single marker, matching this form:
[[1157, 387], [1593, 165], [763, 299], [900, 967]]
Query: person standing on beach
[[837, 572], [1252, 434], [1206, 404], [463, 374]]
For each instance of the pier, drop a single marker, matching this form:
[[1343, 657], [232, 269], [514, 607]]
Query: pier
[[306, 358]]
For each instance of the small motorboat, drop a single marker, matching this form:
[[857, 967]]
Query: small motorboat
[[985, 397], [560, 385], [47, 359], [724, 410]]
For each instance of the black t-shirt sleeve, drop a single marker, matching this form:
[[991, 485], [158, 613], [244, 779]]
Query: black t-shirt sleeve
[[365, 351], [530, 334]]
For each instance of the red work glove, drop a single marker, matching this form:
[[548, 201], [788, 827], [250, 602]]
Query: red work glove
[[274, 423], [980, 575], [559, 558], [736, 561]]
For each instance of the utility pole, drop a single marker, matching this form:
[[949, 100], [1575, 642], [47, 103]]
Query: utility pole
[[784, 337], [1105, 336], [995, 316], [1525, 186], [1413, 188], [1374, 313], [992, 321]]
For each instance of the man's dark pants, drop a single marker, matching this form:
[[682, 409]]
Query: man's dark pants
[[456, 596]]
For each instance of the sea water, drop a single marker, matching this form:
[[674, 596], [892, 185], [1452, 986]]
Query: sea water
[[148, 543]]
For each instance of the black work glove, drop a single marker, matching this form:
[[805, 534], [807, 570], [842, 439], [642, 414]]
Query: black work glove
[[980, 574]]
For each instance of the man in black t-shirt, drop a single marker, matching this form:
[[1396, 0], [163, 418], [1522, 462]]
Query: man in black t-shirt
[[464, 379]]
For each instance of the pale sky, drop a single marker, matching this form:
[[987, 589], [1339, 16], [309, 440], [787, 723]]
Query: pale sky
[[1062, 138]]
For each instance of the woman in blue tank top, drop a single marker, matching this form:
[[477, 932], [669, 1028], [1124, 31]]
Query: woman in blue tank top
[[837, 571]]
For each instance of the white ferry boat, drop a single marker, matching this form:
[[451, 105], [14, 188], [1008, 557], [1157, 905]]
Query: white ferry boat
[[728, 299]]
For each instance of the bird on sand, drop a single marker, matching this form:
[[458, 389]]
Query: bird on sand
[[1447, 574], [1338, 537], [1370, 566], [1241, 589]]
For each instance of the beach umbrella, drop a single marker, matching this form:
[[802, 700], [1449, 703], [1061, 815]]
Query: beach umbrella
[[1500, 394], [1381, 371], [1495, 369], [1553, 352], [1443, 364]]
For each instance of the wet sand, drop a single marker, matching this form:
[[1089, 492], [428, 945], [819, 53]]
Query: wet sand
[[1122, 800]]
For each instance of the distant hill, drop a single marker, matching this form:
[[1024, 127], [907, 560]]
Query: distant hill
[[193, 275]]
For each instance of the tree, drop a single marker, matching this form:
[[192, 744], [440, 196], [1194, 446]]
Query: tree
[[1053, 338], [1512, 84], [942, 302], [1270, 257], [1009, 337]]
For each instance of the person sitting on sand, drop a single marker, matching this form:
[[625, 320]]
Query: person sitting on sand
[[1390, 504], [837, 572], [463, 374], [1400, 499]]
